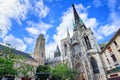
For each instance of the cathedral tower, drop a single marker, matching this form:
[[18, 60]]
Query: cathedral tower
[[81, 51], [39, 51]]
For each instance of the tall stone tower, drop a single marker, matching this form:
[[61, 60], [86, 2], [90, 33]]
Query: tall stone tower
[[81, 51], [39, 51]]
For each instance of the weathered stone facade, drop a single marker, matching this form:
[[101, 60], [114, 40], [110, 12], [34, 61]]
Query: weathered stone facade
[[39, 51], [82, 52]]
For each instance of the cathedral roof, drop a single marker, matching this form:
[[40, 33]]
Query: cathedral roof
[[57, 52], [17, 52]]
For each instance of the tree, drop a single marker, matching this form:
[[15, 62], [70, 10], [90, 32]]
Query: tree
[[25, 70], [62, 72], [7, 62]]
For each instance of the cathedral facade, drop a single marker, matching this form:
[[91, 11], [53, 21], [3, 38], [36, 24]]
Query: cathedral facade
[[82, 52]]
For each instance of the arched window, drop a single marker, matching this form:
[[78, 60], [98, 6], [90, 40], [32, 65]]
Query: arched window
[[87, 41], [65, 47], [94, 66]]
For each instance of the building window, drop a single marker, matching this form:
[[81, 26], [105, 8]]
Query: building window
[[115, 43], [109, 49], [108, 61], [119, 50], [87, 41], [65, 46], [94, 66], [114, 58], [42, 55]]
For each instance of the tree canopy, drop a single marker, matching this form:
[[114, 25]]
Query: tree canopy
[[62, 72], [7, 62]]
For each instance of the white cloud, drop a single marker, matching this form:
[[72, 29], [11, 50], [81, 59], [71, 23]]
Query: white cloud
[[114, 18], [29, 42], [49, 49], [15, 42], [107, 30], [11, 9], [37, 28], [41, 9], [17, 9]]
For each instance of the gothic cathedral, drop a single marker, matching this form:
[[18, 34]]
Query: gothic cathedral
[[82, 52]]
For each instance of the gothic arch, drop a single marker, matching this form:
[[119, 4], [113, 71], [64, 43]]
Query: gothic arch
[[87, 41], [75, 42], [94, 65]]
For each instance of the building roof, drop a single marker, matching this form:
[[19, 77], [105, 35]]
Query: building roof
[[52, 60], [112, 39], [17, 52]]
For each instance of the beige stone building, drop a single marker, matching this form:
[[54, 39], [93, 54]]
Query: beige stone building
[[25, 60], [111, 57]]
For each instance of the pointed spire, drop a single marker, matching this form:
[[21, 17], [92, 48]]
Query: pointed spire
[[76, 16], [57, 52], [78, 20], [68, 35]]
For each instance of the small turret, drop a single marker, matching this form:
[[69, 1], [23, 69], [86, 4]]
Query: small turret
[[57, 52]]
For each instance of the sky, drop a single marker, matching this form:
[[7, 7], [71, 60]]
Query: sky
[[21, 21]]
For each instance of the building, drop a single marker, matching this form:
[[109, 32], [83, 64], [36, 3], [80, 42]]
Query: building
[[19, 62], [82, 52], [57, 59], [39, 51], [111, 57]]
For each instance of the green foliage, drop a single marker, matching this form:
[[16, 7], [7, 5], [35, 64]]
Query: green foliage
[[63, 72], [43, 68], [7, 67], [25, 69], [7, 62]]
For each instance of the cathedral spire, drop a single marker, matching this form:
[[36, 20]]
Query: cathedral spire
[[76, 16], [57, 52], [78, 20]]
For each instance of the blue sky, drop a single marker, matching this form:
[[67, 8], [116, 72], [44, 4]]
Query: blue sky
[[23, 20]]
